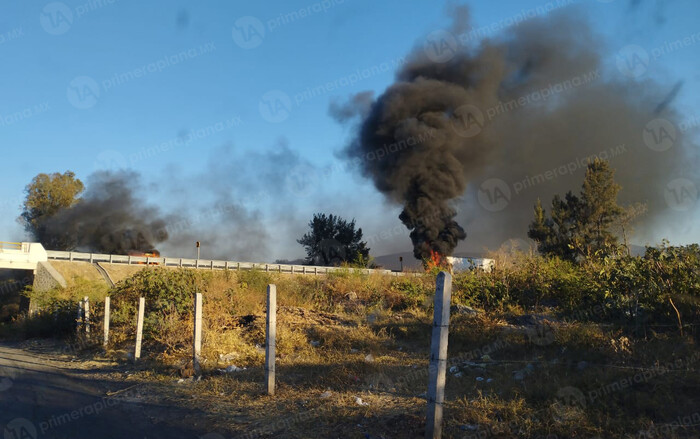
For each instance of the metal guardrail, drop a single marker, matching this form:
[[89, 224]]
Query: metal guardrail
[[10, 245], [207, 264]]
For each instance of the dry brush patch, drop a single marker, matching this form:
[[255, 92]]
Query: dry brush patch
[[523, 362]]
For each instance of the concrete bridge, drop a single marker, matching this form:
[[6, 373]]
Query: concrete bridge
[[49, 267], [30, 255], [21, 255]]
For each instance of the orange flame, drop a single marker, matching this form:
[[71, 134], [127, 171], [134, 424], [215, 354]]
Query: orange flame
[[436, 260]]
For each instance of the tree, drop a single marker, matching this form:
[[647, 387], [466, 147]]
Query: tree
[[599, 207], [332, 240], [47, 195], [581, 226]]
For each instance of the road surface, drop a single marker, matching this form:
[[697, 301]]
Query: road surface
[[41, 397]]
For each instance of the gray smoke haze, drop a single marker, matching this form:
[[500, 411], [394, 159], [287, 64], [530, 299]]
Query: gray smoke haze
[[357, 106], [109, 218], [488, 127], [242, 205]]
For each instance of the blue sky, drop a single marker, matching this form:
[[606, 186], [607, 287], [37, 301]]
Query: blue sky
[[93, 84]]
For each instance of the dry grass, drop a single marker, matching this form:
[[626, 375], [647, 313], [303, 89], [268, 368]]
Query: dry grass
[[521, 389], [346, 336], [72, 271]]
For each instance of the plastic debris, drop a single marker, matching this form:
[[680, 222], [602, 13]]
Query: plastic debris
[[458, 375], [326, 394], [231, 369], [489, 380], [354, 351], [359, 401], [315, 343], [480, 379], [369, 358], [454, 369], [463, 309], [469, 427], [228, 357]]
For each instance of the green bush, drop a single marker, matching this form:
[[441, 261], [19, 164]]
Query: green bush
[[255, 280], [648, 290], [484, 290], [412, 292], [56, 319], [633, 291], [166, 291]]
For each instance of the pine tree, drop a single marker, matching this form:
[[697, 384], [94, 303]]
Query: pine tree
[[581, 226]]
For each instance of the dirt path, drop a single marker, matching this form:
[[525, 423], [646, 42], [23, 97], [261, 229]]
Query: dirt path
[[42, 396]]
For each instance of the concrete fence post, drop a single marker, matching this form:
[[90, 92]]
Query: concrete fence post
[[438, 355], [79, 319], [271, 336], [139, 328], [197, 345], [105, 340], [86, 309]]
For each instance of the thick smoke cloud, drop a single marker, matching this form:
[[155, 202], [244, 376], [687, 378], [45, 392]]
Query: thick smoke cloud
[[109, 218], [489, 127]]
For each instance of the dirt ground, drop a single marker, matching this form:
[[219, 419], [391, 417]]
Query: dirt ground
[[45, 393], [48, 390]]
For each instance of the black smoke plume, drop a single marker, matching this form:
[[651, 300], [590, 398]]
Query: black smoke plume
[[488, 117], [109, 218]]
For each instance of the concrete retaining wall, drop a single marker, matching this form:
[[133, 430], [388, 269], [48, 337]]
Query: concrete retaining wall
[[46, 277]]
